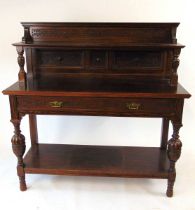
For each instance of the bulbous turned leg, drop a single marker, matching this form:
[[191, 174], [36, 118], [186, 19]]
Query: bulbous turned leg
[[18, 146], [171, 179], [173, 152]]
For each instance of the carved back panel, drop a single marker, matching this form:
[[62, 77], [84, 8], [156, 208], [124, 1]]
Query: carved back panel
[[138, 51]]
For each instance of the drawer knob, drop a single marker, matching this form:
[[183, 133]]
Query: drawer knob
[[56, 104], [133, 106], [59, 58], [97, 59]]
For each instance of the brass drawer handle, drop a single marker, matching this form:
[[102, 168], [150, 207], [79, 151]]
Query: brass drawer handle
[[133, 106], [56, 104]]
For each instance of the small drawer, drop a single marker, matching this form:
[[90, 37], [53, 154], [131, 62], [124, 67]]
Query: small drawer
[[98, 59], [60, 58], [149, 62], [102, 106]]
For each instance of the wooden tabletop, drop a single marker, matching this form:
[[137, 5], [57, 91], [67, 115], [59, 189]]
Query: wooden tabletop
[[51, 86]]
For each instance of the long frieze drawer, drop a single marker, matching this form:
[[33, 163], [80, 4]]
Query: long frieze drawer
[[60, 58], [139, 61], [79, 104]]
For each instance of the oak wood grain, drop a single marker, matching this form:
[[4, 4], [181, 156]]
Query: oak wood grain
[[115, 161]]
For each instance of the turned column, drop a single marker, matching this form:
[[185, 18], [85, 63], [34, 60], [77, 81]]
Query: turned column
[[21, 62], [173, 152], [18, 142], [175, 64]]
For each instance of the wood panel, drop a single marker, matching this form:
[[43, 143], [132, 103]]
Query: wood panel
[[100, 34], [60, 159], [148, 62]]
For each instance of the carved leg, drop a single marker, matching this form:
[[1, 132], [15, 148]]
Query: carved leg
[[173, 152], [18, 146]]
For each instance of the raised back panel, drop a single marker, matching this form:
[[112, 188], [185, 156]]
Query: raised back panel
[[100, 33], [140, 52]]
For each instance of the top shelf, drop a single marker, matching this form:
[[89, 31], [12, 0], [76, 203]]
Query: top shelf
[[117, 45], [108, 34], [116, 24]]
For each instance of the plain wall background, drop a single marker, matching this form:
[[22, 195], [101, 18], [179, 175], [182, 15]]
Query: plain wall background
[[98, 130]]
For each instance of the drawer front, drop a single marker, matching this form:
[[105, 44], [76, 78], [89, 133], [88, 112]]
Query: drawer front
[[104, 106], [98, 59], [139, 61], [60, 58]]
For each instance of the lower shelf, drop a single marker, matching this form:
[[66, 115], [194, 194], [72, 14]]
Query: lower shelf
[[115, 161]]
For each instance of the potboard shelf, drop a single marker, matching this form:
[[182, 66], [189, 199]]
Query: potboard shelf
[[149, 162]]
